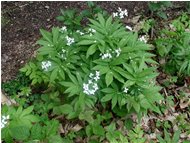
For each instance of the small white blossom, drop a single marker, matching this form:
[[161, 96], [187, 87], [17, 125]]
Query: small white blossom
[[69, 40], [125, 90], [92, 30], [4, 121], [120, 13], [91, 87], [118, 52], [129, 28], [63, 29], [81, 33], [91, 75], [142, 38], [115, 14], [46, 65]]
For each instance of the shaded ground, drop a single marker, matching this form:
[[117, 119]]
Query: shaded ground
[[23, 21]]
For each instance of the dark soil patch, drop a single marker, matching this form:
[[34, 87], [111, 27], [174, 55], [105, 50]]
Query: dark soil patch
[[21, 32], [24, 19]]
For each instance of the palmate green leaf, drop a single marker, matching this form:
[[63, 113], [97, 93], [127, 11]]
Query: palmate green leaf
[[123, 72], [101, 20], [91, 50], [108, 22], [46, 35], [20, 132], [86, 42], [27, 111], [53, 75], [176, 136], [87, 115], [98, 130], [118, 77], [107, 97], [36, 132], [109, 78], [108, 90], [55, 32], [63, 109], [51, 128], [114, 101], [102, 69]]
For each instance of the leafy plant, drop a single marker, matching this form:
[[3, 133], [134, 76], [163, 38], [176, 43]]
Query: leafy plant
[[174, 46], [168, 139], [159, 7], [73, 19], [101, 67], [14, 86]]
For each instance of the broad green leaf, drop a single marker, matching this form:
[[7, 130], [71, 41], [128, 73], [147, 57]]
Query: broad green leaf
[[53, 75], [63, 109], [114, 100], [91, 50], [55, 32], [107, 97], [20, 132], [46, 35], [109, 78], [86, 42]]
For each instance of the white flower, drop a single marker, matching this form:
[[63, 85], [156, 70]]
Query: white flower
[[129, 28], [81, 33], [92, 30], [125, 90], [91, 75], [63, 50], [142, 38], [89, 81], [120, 13], [115, 14], [4, 121], [69, 40], [91, 87], [63, 29], [46, 65], [118, 52], [119, 9]]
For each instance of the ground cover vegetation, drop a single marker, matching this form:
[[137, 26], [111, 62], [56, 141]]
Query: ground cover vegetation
[[96, 79]]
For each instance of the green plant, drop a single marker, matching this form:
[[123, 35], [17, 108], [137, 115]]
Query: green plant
[[174, 46], [105, 68], [18, 124], [168, 139], [22, 125], [136, 135], [116, 56], [14, 86], [72, 18], [159, 7]]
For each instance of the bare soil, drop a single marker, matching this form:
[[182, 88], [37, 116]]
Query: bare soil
[[21, 32]]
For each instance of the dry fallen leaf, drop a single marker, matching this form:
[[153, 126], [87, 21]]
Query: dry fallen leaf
[[76, 128]]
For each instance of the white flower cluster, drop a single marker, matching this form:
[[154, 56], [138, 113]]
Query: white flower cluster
[[91, 87], [69, 40], [63, 29], [4, 121], [81, 33], [144, 38], [120, 13], [125, 90], [46, 65], [129, 28], [109, 53], [91, 31]]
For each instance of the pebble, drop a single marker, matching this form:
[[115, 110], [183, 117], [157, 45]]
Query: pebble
[[47, 7]]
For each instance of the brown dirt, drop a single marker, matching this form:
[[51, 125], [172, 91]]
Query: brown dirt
[[20, 34]]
